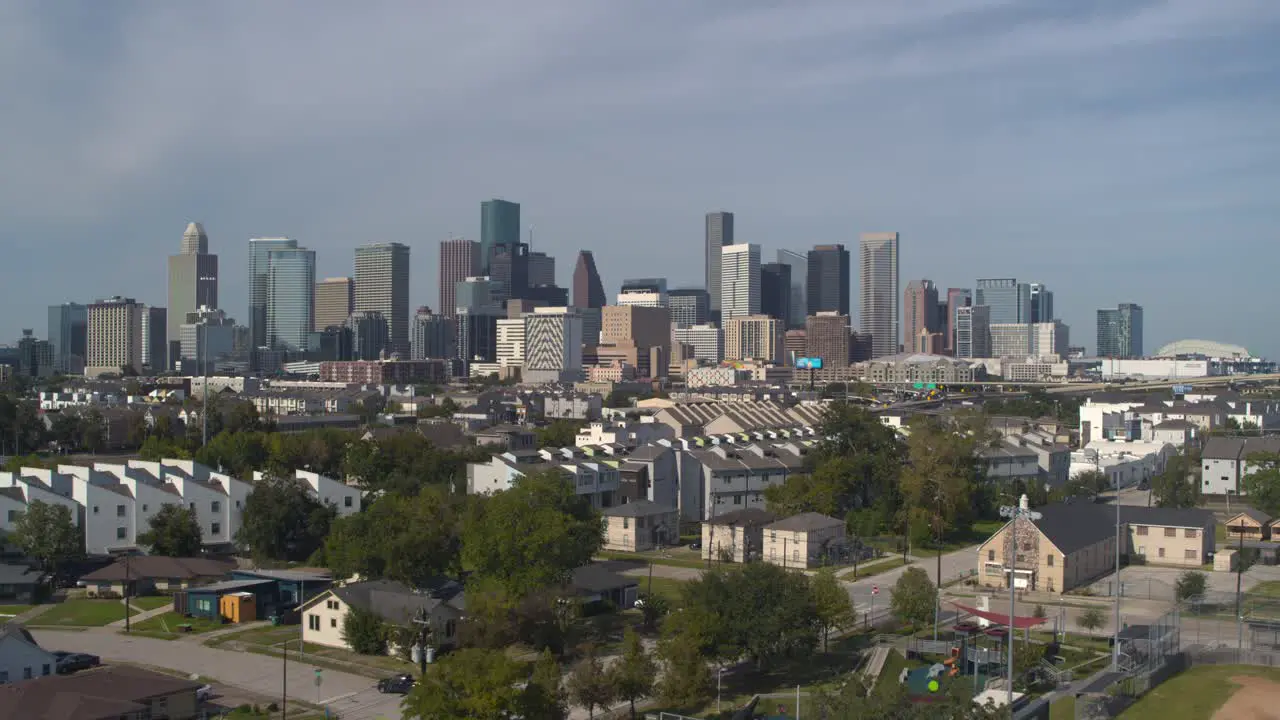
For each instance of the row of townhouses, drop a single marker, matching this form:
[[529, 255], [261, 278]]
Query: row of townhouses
[[1130, 416], [114, 503]]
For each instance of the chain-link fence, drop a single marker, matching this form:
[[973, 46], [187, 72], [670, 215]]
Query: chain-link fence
[[1149, 654], [1141, 589]]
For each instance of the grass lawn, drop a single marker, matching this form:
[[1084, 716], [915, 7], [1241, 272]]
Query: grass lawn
[[664, 587], [151, 602], [8, 611], [894, 664], [165, 626], [83, 613], [1195, 694], [1269, 589], [673, 557], [268, 635], [874, 568], [1063, 708]]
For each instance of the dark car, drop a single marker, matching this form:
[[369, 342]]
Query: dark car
[[397, 684], [66, 662]]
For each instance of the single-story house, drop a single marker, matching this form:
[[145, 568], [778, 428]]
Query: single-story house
[[1249, 523], [276, 593], [738, 534], [396, 603], [640, 525], [18, 583], [803, 541], [148, 574], [595, 584], [118, 692], [21, 658], [1073, 544]]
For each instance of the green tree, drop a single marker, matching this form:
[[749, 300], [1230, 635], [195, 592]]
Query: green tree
[[941, 477], [409, 539], [173, 531], [533, 535], [544, 698], [469, 683], [589, 684], [93, 431], [1092, 619], [282, 521], [831, 600], [634, 675], [653, 607], [686, 679], [365, 631], [914, 597], [1262, 483], [242, 416], [1190, 584], [156, 447], [559, 433], [65, 430], [757, 611], [48, 534], [1178, 486], [237, 453]]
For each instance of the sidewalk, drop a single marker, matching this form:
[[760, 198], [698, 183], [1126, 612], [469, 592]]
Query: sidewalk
[[142, 615], [29, 615]]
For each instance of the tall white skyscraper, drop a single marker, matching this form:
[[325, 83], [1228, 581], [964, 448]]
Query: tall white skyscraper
[[382, 285], [880, 305], [739, 281]]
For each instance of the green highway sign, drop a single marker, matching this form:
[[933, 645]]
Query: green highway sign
[[918, 386], [932, 386]]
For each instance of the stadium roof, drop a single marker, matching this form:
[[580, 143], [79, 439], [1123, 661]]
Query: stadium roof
[[1208, 348]]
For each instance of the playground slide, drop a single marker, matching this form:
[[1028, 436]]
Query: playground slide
[[949, 661]]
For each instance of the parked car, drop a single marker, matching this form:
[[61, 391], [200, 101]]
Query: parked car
[[204, 693], [397, 684], [67, 662]]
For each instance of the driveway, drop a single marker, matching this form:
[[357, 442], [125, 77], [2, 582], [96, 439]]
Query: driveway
[[353, 697]]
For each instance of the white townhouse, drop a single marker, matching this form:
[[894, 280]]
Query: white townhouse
[[346, 498], [597, 479]]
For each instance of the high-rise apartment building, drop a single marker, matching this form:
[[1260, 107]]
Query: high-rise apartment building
[[643, 292], [739, 281], [689, 307], [826, 336], [973, 331], [956, 299], [459, 260], [1009, 300], [1010, 340], [828, 281], [335, 301], [542, 269], [706, 340], [754, 337], [553, 346], [1050, 338], [114, 337], [880, 291], [588, 290], [919, 312], [193, 283], [775, 291], [291, 292], [799, 264], [509, 270], [370, 334], [68, 334], [155, 339], [499, 228], [433, 336], [259, 279], [637, 335], [510, 344], [382, 286], [1120, 332], [1041, 303], [719, 233]]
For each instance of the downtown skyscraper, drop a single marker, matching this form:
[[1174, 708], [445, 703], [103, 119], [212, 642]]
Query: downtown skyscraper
[[459, 260], [193, 283], [260, 250], [920, 312], [588, 290], [334, 303], [382, 285], [880, 293], [1120, 332], [499, 228], [828, 280], [739, 281], [719, 234], [291, 292]]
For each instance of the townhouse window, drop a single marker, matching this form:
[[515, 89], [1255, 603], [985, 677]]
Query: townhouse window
[[119, 511], [991, 556], [1142, 529], [45, 669], [333, 622], [347, 501], [26, 673], [237, 504], [215, 506], [1189, 554], [1171, 532], [95, 509], [215, 528], [1049, 559], [450, 627], [626, 524], [13, 515], [144, 507], [313, 622], [121, 533], [1160, 552], [1189, 533], [737, 499]]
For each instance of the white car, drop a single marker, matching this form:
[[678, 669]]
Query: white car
[[204, 693]]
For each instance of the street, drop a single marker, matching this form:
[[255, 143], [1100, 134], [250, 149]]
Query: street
[[352, 696], [960, 562]]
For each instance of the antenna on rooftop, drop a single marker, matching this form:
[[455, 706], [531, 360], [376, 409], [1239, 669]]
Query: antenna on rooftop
[[531, 237]]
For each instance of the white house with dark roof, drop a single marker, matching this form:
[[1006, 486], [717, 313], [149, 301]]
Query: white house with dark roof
[[1225, 462]]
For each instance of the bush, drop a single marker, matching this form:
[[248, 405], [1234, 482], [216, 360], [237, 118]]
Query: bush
[[1190, 584], [365, 632]]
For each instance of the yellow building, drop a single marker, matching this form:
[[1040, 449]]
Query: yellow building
[[737, 536], [803, 541]]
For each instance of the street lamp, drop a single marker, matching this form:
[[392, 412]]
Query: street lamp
[[1018, 536]]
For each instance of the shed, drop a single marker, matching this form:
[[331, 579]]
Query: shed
[[238, 607], [205, 602], [1224, 560]]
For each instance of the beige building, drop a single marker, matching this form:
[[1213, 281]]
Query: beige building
[[736, 536], [335, 298], [754, 337], [114, 336], [640, 525], [1072, 545], [1249, 523], [635, 335], [396, 603], [803, 541]]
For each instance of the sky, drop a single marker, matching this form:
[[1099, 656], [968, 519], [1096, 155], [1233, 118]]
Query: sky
[[1114, 150]]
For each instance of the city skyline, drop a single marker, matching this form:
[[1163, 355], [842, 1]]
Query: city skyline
[[135, 165]]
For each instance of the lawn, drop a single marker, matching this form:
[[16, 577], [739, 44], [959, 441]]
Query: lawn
[[1063, 708], [83, 613], [1195, 694], [165, 626], [874, 568], [673, 557], [8, 611], [151, 602], [268, 635], [666, 588]]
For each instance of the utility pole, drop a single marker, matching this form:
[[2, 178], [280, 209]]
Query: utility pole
[[1017, 514], [204, 401], [937, 603], [284, 676], [1239, 596], [1115, 642], [128, 580]]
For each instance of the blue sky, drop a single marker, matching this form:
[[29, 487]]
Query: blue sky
[[1116, 151]]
